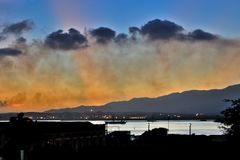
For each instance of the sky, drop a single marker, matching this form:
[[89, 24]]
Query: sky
[[218, 16], [65, 53]]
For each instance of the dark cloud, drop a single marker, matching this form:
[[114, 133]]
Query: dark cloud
[[164, 29], [103, 34], [66, 41], [199, 34], [18, 28], [158, 29], [121, 38], [134, 30], [21, 40], [9, 52]]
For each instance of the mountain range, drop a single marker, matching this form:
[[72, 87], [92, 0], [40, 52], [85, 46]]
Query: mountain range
[[187, 102]]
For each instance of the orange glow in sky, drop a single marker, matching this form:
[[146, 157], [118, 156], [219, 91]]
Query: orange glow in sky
[[43, 79]]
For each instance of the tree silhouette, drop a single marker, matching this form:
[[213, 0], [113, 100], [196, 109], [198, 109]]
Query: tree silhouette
[[231, 119]]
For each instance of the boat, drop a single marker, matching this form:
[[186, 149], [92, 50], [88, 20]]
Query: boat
[[151, 120], [116, 122]]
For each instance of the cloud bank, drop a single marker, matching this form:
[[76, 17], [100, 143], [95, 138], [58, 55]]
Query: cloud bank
[[70, 68], [9, 52], [103, 34], [18, 28], [66, 41]]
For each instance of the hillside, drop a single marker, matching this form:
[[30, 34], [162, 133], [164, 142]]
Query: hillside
[[188, 102]]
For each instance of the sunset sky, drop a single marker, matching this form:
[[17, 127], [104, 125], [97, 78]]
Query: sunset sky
[[66, 53]]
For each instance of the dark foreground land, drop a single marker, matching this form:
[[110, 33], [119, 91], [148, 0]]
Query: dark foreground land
[[24, 139]]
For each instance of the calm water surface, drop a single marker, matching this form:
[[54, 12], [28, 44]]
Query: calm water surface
[[174, 126]]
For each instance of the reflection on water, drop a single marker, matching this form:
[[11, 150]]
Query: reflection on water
[[175, 127]]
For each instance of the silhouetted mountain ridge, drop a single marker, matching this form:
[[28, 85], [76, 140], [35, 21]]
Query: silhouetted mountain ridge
[[187, 102]]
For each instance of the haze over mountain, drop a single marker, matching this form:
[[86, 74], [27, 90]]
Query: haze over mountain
[[188, 102]]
